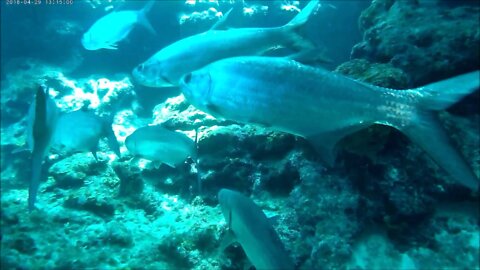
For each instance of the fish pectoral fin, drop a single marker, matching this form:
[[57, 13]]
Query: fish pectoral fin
[[21, 149], [227, 240], [111, 47], [157, 164], [213, 109], [134, 161], [325, 143], [313, 57], [325, 146], [171, 165]]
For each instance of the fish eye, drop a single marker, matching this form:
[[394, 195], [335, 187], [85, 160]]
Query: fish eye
[[188, 78], [141, 67]]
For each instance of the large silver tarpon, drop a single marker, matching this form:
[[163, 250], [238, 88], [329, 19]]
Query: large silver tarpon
[[324, 107], [168, 65]]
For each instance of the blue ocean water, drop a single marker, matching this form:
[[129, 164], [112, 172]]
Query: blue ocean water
[[392, 199]]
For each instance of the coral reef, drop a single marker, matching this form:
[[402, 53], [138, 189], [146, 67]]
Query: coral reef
[[384, 204], [134, 210], [384, 75], [412, 35]]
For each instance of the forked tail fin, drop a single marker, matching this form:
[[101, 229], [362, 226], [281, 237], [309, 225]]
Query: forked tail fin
[[428, 133], [294, 35], [142, 17]]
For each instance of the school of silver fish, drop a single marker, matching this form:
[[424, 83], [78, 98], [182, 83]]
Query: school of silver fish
[[223, 73]]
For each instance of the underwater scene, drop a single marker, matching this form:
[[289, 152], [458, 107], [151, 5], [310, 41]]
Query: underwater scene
[[240, 134]]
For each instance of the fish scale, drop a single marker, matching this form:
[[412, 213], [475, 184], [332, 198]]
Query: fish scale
[[277, 104], [167, 66], [324, 107]]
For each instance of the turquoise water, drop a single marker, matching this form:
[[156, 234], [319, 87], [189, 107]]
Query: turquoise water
[[384, 203]]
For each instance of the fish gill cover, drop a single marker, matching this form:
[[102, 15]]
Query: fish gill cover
[[364, 196]]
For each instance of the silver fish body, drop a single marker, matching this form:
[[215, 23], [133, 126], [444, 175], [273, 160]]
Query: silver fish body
[[80, 131], [324, 107], [159, 144], [41, 124], [253, 231], [167, 66], [114, 27], [284, 95]]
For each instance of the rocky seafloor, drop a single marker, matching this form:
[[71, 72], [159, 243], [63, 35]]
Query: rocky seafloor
[[384, 205]]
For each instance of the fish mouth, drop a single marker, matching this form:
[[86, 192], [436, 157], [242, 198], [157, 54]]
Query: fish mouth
[[137, 75], [159, 80], [186, 90], [88, 44], [140, 78]]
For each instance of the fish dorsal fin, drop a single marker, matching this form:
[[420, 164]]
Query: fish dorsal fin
[[325, 142], [111, 47], [142, 17], [220, 24], [143, 21]]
